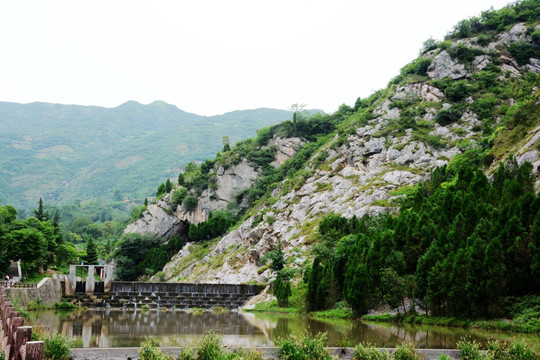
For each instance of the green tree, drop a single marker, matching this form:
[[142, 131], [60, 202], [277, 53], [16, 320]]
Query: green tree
[[91, 253], [282, 289], [27, 245], [40, 213], [161, 190], [278, 259], [226, 143], [168, 186]]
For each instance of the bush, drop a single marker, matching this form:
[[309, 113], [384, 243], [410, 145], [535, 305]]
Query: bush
[[469, 350], [457, 90], [446, 117], [406, 352], [464, 54], [190, 202], [150, 350], [520, 351], [179, 196], [304, 347], [368, 352], [418, 67], [210, 348], [56, 348], [523, 51], [64, 305]]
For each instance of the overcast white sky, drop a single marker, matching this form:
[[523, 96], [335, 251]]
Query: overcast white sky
[[214, 56]]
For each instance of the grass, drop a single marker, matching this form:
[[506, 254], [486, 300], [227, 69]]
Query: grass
[[500, 325], [334, 314], [272, 307]]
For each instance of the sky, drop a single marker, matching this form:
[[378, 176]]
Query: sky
[[213, 56]]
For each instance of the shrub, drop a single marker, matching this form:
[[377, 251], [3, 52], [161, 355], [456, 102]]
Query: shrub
[[428, 45], [448, 116], [368, 352], [179, 196], [469, 350], [523, 51], [64, 305], [464, 54], [418, 67], [150, 350], [190, 202], [520, 351], [56, 348], [304, 347], [406, 352], [457, 90], [210, 348]]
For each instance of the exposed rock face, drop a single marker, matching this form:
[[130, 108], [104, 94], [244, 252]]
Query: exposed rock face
[[443, 65], [424, 91], [286, 149], [158, 220], [161, 220]]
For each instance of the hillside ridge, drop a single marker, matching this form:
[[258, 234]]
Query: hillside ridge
[[458, 96]]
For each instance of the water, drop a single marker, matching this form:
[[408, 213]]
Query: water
[[129, 328]]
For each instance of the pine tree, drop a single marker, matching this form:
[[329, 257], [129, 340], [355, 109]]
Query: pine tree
[[40, 213], [282, 290], [168, 186], [278, 260], [91, 253]]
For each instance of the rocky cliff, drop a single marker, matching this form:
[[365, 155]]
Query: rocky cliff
[[163, 219], [364, 170]]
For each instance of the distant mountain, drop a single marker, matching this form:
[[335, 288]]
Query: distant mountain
[[70, 152]]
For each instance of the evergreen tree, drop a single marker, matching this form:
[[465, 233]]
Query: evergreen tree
[[278, 259], [168, 186], [282, 290], [91, 253], [161, 190], [40, 213]]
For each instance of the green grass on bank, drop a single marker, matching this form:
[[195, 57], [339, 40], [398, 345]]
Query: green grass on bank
[[272, 307], [529, 326]]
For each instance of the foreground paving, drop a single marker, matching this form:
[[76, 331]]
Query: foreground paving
[[268, 353]]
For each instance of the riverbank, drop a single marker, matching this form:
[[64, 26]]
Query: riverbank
[[344, 353], [532, 326]]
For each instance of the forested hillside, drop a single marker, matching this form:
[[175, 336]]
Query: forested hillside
[[422, 195], [65, 153]]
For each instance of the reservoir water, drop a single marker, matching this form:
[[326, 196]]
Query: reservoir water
[[97, 328]]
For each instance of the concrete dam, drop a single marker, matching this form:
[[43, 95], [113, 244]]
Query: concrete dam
[[135, 295]]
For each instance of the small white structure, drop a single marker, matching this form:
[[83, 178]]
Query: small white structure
[[105, 273]]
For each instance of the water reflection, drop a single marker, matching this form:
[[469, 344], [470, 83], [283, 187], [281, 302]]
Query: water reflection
[[126, 329]]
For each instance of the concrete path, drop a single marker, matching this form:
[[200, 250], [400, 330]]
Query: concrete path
[[268, 353]]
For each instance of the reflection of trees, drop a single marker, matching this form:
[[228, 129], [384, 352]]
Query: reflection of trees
[[282, 329], [129, 328]]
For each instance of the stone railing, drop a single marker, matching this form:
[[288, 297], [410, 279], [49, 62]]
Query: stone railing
[[11, 284], [16, 338]]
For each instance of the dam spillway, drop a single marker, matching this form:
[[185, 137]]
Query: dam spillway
[[127, 294]]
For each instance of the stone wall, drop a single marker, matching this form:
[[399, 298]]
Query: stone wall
[[48, 292]]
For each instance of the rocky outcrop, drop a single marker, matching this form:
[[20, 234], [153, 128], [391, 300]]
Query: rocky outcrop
[[162, 220], [158, 220], [286, 148]]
